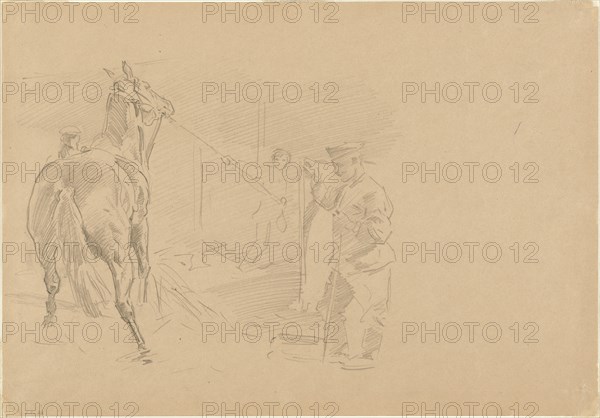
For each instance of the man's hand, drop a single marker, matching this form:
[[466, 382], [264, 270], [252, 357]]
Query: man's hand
[[310, 166], [228, 160], [347, 222]]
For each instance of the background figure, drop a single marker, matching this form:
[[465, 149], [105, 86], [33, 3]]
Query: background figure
[[69, 138], [270, 216], [357, 293]]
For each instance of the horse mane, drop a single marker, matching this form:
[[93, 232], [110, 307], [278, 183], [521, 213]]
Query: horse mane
[[121, 134], [115, 122]]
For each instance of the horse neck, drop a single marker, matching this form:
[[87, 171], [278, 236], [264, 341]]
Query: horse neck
[[123, 131]]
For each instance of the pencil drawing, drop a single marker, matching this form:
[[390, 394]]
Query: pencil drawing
[[252, 228]]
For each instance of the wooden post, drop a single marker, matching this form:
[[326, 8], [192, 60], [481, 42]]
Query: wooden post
[[261, 131], [301, 221], [197, 164]]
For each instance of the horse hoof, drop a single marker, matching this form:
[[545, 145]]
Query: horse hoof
[[49, 319]]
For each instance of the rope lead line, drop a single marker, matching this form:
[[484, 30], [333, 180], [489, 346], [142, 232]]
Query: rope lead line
[[256, 186]]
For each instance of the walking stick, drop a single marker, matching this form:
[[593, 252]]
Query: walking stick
[[335, 273], [328, 316]]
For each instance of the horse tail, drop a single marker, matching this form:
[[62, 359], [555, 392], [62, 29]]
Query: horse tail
[[86, 284]]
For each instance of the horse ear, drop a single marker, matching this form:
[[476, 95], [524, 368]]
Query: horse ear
[[127, 70], [110, 73]]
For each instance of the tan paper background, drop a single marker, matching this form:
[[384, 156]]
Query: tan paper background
[[368, 53]]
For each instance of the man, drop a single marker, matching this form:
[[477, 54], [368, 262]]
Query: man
[[357, 294], [270, 216], [69, 138], [270, 213]]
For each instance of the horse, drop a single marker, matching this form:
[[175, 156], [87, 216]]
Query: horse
[[95, 203]]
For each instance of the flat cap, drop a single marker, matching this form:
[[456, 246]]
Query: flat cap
[[70, 130], [347, 148]]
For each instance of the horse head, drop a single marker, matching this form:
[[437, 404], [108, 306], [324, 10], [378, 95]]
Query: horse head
[[133, 115]]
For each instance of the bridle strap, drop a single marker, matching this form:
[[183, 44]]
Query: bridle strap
[[150, 143]]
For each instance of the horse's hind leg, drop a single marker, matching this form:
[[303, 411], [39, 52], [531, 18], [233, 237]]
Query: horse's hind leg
[[52, 280], [139, 241], [123, 280]]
